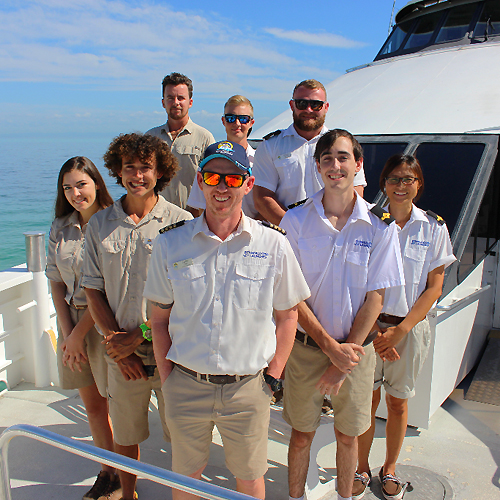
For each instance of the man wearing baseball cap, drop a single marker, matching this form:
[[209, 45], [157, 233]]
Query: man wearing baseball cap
[[214, 283]]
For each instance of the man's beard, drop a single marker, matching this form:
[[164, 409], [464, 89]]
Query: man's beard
[[308, 124]]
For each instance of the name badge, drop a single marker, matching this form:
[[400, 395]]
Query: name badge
[[182, 263]]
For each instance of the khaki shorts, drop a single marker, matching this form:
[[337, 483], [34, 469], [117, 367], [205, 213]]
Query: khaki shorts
[[129, 401], [240, 411], [399, 376], [302, 401], [95, 371]]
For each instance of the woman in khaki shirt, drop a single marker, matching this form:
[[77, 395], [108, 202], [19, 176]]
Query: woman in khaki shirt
[[81, 192]]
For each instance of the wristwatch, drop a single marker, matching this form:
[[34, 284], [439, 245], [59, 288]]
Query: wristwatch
[[146, 332], [276, 384]]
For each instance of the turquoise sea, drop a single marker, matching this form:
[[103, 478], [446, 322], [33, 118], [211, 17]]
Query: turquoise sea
[[28, 175]]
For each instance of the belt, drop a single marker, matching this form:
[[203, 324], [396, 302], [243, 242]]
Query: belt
[[389, 318], [213, 379], [78, 307], [306, 339]]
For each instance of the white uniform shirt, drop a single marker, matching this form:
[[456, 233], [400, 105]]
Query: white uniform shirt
[[197, 200], [425, 245], [285, 165], [117, 254], [340, 267], [224, 293]]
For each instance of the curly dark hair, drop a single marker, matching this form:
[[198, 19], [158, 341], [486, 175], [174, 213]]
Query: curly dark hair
[[142, 147]]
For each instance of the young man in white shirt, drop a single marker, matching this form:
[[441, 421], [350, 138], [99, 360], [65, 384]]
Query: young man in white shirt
[[349, 256]]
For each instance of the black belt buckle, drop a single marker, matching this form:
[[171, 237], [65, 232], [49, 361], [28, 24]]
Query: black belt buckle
[[221, 379]]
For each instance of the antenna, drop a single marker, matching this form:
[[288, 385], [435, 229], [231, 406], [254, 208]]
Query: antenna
[[392, 14]]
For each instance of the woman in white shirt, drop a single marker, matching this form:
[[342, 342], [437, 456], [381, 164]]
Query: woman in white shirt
[[81, 192], [404, 341]]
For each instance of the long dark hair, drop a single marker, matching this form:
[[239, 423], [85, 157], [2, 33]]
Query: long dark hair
[[63, 206]]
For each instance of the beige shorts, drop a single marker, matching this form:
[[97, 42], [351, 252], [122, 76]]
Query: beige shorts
[[240, 411], [129, 401], [302, 401], [96, 370], [399, 376]]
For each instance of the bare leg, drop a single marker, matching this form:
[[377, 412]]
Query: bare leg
[[347, 457], [298, 461], [128, 480], [182, 495], [99, 421], [365, 440], [255, 488], [395, 430]]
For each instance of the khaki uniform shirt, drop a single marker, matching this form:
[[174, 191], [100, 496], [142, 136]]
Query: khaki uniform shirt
[[117, 254], [65, 256], [188, 147]]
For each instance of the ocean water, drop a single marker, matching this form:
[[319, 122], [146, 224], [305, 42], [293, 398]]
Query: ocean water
[[29, 167]]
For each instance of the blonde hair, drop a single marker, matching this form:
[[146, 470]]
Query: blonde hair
[[237, 100]]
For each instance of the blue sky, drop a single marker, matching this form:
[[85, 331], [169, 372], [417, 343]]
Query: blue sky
[[95, 66]]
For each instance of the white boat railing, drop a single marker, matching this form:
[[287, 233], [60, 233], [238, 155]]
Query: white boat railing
[[151, 472]]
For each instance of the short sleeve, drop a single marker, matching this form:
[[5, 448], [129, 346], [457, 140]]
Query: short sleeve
[[443, 251], [92, 276], [158, 287], [51, 270], [264, 170]]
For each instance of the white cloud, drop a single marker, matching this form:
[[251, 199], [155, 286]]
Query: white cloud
[[320, 39]]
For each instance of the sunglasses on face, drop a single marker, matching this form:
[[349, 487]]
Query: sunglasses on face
[[243, 119], [407, 181], [303, 104], [231, 180]]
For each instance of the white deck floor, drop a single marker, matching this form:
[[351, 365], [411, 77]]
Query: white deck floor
[[462, 445]]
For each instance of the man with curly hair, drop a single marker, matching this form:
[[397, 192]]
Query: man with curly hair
[[118, 247], [187, 139]]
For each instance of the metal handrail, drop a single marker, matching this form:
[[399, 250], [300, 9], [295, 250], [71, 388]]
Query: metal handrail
[[151, 472], [471, 297]]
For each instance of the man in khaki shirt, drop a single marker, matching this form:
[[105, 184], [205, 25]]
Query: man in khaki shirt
[[187, 140], [118, 246]]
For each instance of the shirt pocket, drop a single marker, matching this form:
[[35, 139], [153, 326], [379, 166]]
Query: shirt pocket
[[357, 268], [253, 287], [314, 254], [189, 285], [147, 244], [189, 150], [289, 171], [413, 264], [113, 254]]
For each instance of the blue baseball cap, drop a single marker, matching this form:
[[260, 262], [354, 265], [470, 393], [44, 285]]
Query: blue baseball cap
[[230, 151]]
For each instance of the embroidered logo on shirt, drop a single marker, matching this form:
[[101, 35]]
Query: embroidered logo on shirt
[[420, 243], [361, 243], [256, 255]]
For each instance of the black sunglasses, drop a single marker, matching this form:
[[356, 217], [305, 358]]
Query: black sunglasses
[[303, 104], [244, 119]]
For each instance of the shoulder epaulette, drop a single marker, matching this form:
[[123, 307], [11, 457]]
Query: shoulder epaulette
[[273, 226], [271, 134], [434, 215], [297, 204], [172, 226], [382, 214]]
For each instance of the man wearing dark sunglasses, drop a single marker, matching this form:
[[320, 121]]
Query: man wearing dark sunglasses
[[285, 171], [238, 121], [215, 284], [186, 139]]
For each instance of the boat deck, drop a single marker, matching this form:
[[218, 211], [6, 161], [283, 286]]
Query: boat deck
[[461, 446]]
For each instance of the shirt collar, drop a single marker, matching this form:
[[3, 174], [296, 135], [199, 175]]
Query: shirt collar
[[416, 215], [359, 212], [292, 132], [187, 129], [201, 226], [117, 212]]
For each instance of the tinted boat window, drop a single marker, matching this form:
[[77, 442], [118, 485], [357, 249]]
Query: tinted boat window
[[375, 155], [448, 172], [424, 30], [491, 13], [457, 23], [396, 39]]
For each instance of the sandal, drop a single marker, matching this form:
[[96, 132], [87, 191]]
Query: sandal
[[361, 482], [401, 486]]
